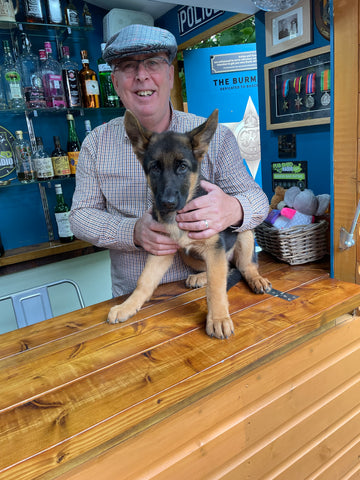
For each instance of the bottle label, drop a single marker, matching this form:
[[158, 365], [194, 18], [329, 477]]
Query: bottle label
[[14, 82], [87, 20], [104, 67], [44, 167], [92, 87], [73, 159], [71, 84], [73, 17], [61, 165], [63, 224], [33, 8]]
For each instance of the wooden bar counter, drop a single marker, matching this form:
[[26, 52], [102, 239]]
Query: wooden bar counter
[[155, 398]]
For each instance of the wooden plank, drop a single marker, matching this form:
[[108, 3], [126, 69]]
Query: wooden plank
[[151, 454], [148, 385]]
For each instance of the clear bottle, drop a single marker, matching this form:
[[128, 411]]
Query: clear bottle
[[54, 12], [52, 80], [87, 18], [31, 75], [71, 14], [109, 97], [11, 78], [60, 160], [33, 11], [42, 162], [24, 164], [70, 74], [73, 144], [62, 212], [89, 84]]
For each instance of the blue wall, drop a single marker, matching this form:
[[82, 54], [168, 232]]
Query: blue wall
[[313, 143]]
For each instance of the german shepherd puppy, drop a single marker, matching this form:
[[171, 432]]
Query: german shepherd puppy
[[171, 162]]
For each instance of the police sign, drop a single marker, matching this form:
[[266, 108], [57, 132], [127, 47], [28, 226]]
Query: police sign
[[191, 18]]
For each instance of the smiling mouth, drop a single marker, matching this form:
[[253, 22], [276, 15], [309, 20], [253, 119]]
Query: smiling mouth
[[145, 93]]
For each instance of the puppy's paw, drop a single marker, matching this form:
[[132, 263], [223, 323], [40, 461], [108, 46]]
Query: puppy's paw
[[196, 280], [120, 313], [221, 328], [259, 284]]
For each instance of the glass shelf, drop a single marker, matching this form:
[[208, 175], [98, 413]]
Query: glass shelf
[[75, 111], [39, 29]]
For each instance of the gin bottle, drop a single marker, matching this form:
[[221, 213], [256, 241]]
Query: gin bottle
[[109, 97], [11, 78], [24, 164], [31, 76], [52, 80]]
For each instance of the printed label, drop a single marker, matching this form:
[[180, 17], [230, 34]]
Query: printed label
[[63, 224], [73, 159]]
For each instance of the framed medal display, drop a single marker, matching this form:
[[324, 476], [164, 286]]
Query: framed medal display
[[298, 90], [288, 29]]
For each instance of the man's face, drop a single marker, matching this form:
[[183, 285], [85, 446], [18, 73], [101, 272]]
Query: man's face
[[144, 87]]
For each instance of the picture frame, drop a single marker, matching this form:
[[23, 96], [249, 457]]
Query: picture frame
[[288, 29], [298, 90]]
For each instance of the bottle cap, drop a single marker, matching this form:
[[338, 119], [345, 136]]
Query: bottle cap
[[69, 116], [65, 50]]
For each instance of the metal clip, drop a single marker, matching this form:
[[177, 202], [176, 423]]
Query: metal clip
[[347, 238]]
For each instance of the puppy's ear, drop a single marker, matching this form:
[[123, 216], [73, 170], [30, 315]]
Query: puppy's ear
[[201, 135], [138, 135]]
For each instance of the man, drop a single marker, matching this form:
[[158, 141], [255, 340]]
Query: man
[[112, 203]]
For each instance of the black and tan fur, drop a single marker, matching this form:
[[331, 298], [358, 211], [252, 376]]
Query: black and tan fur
[[171, 162]]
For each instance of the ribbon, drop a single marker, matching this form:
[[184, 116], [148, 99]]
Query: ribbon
[[297, 84], [285, 88], [310, 83], [325, 80]]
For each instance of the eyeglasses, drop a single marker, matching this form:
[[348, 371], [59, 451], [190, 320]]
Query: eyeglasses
[[130, 67]]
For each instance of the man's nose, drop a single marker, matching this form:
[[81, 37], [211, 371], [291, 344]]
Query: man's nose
[[141, 71]]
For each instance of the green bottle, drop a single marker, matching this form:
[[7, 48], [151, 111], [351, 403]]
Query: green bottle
[[73, 144], [62, 213]]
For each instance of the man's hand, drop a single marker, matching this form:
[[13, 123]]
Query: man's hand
[[212, 213], [152, 236]]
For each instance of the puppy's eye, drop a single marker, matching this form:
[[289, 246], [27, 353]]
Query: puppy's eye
[[155, 167], [182, 167]]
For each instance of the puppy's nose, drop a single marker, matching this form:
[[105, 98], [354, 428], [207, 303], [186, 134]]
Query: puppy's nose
[[169, 200]]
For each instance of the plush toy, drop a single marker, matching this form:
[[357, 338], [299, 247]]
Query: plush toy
[[277, 198], [306, 202]]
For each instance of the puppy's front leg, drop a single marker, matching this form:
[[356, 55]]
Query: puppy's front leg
[[155, 268], [218, 323]]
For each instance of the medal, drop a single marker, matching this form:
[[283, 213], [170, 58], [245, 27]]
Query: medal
[[285, 91], [325, 87], [310, 90], [297, 88]]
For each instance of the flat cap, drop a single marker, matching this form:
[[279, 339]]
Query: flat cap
[[139, 39]]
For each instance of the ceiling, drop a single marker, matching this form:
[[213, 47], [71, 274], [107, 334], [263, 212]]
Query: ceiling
[[158, 8]]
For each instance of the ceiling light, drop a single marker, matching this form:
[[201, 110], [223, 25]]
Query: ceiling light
[[274, 5]]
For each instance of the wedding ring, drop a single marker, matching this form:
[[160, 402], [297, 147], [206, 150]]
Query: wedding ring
[[206, 224]]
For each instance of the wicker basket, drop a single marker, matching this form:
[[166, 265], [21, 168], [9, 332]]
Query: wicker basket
[[295, 245]]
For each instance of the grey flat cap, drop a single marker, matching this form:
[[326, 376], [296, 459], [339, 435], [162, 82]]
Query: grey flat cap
[[137, 40]]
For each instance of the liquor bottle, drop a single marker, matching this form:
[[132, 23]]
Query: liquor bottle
[[33, 11], [87, 18], [60, 160], [52, 80], [31, 76], [42, 162], [62, 213], [53, 12], [11, 79], [24, 164], [73, 144], [109, 97], [89, 84], [71, 14], [70, 74]]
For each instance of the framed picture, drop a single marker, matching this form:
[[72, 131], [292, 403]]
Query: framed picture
[[298, 90], [289, 29], [322, 17]]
